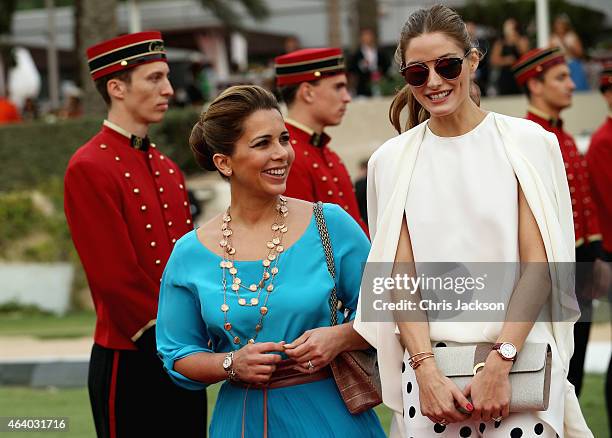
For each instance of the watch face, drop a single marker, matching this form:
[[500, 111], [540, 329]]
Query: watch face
[[507, 350], [227, 362]]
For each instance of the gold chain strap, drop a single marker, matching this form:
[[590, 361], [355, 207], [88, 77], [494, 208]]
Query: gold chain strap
[[329, 257]]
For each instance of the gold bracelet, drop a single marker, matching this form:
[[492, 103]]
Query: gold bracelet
[[419, 354], [417, 363]]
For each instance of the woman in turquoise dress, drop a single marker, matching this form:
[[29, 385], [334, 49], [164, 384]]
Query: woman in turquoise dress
[[245, 298]]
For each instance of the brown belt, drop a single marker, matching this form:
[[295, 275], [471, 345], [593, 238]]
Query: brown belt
[[283, 376]]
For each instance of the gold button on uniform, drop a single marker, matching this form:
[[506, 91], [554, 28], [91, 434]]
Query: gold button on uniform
[[161, 157], [148, 226], [315, 165], [188, 221], [127, 174], [143, 207], [181, 186], [335, 179], [158, 262], [103, 146], [185, 203], [173, 240], [171, 171], [169, 223], [153, 244], [117, 158], [153, 145], [329, 192], [150, 156], [157, 173], [165, 206], [136, 191], [161, 190], [323, 178]]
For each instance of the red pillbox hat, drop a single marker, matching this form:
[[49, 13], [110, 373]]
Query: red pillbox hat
[[125, 52], [308, 65]]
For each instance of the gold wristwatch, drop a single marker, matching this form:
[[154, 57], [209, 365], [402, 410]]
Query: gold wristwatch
[[228, 365]]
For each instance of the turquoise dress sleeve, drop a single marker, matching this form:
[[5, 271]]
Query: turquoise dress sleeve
[[351, 247], [180, 330]]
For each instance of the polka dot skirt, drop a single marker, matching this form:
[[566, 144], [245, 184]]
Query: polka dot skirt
[[517, 425]]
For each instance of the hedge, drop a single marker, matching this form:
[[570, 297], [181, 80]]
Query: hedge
[[34, 153]]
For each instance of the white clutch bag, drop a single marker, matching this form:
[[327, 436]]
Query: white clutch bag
[[529, 376]]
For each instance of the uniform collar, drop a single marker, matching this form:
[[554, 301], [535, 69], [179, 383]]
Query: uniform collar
[[314, 138], [140, 143], [552, 121]]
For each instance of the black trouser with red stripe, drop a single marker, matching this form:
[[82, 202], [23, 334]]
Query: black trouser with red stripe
[[132, 396]]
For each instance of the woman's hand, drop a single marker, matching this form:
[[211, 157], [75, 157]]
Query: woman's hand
[[439, 396], [315, 349], [255, 363], [490, 389]]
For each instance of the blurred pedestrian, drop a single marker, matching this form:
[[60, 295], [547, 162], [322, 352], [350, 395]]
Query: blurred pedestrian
[[291, 44], [564, 37], [313, 84], [30, 111], [482, 73], [506, 51], [126, 205], [368, 65]]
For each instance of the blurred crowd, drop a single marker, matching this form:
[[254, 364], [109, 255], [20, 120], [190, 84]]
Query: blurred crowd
[[371, 67]]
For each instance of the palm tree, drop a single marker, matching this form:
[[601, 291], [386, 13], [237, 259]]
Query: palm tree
[[6, 18], [94, 21], [226, 12]]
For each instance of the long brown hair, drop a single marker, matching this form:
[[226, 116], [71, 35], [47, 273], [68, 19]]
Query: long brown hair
[[438, 18]]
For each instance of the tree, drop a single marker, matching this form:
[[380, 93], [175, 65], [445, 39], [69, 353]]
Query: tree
[[226, 13], [6, 20], [95, 21], [367, 18]]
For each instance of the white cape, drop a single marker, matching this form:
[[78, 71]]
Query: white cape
[[535, 157]]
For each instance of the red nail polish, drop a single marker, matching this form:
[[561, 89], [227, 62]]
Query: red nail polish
[[469, 407]]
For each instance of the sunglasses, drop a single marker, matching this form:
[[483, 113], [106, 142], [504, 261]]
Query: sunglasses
[[417, 74]]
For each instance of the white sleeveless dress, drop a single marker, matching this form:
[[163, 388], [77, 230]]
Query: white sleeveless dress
[[462, 206]]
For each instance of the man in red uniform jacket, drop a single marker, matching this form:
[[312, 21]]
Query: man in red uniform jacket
[[126, 205], [545, 78], [313, 84], [599, 158]]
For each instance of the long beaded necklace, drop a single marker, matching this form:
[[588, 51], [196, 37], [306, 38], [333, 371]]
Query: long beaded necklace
[[270, 269]]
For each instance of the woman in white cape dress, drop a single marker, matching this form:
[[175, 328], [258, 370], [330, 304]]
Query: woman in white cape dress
[[509, 202]]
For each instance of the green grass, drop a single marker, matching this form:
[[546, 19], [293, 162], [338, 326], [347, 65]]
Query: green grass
[[74, 403], [44, 326]]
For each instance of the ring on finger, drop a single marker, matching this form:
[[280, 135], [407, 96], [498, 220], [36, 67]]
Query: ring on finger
[[310, 365], [443, 422], [497, 419]]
